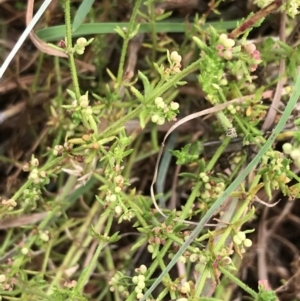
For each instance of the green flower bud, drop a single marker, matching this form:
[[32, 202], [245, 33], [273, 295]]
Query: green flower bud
[[202, 259], [207, 186], [182, 259], [118, 189], [287, 148], [34, 162], [247, 243], [89, 110], [121, 288], [84, 101], [161, 121], [118, 210], [241, 235], [141, 284], [44, 236], [143, 269], [202, 175], [193, 257], [81, 42], [227, 54], [174, 106], [236, 240], [155, 118], [141, 277], [295, 154], [223, 82], [137, 290], [150, 249], [2, 278], [229, 43], [185, 288], [205, 179], [158, 100], [175, 57], [80, 51], [223, 37], [24, 251]]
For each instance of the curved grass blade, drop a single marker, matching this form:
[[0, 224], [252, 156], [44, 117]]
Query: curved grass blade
[[233, 186], [58, 32], [81, 13]]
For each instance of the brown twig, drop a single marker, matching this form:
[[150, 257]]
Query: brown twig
[[249, 23], [41, 45]]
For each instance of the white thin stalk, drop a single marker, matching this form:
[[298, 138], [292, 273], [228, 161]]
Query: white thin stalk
[[24, 35]]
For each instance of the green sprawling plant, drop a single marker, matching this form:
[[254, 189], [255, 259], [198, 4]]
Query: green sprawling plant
[[85, 155]]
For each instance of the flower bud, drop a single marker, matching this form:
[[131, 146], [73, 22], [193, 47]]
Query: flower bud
[[158, 100], [141, 277], [236, 240], [81, 42], [227, 54], [141, 284], [83, 101], [193, 257], [247, 243], [143, 269], [24, 251], [154, 118], [118, 210], [250, 47], [80, 51], [2, 278], [241, 235], [89, 110], [295, 154], [229, 43], [287, 148], [161, 121], [150, 249], [175, 57], [44, 236], [223, 37], [174, 106], [135, 280], [34, 162]]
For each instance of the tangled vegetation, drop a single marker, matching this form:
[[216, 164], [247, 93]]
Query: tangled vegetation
[[150, 154]]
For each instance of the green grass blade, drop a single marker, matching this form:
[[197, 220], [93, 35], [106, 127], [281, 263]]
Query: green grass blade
[[81, 13], [56, 33], [232, 187]]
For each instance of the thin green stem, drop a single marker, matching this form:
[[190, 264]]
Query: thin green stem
[[202, 281], [88, 270], [238, 282], [70, 50], [126, 41], [153, 31], [185, 212], [217, 154]]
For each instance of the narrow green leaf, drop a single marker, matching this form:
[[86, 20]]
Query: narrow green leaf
[[146, 83], [139, 243], [56, 33], [143, 118], [81, 13]]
